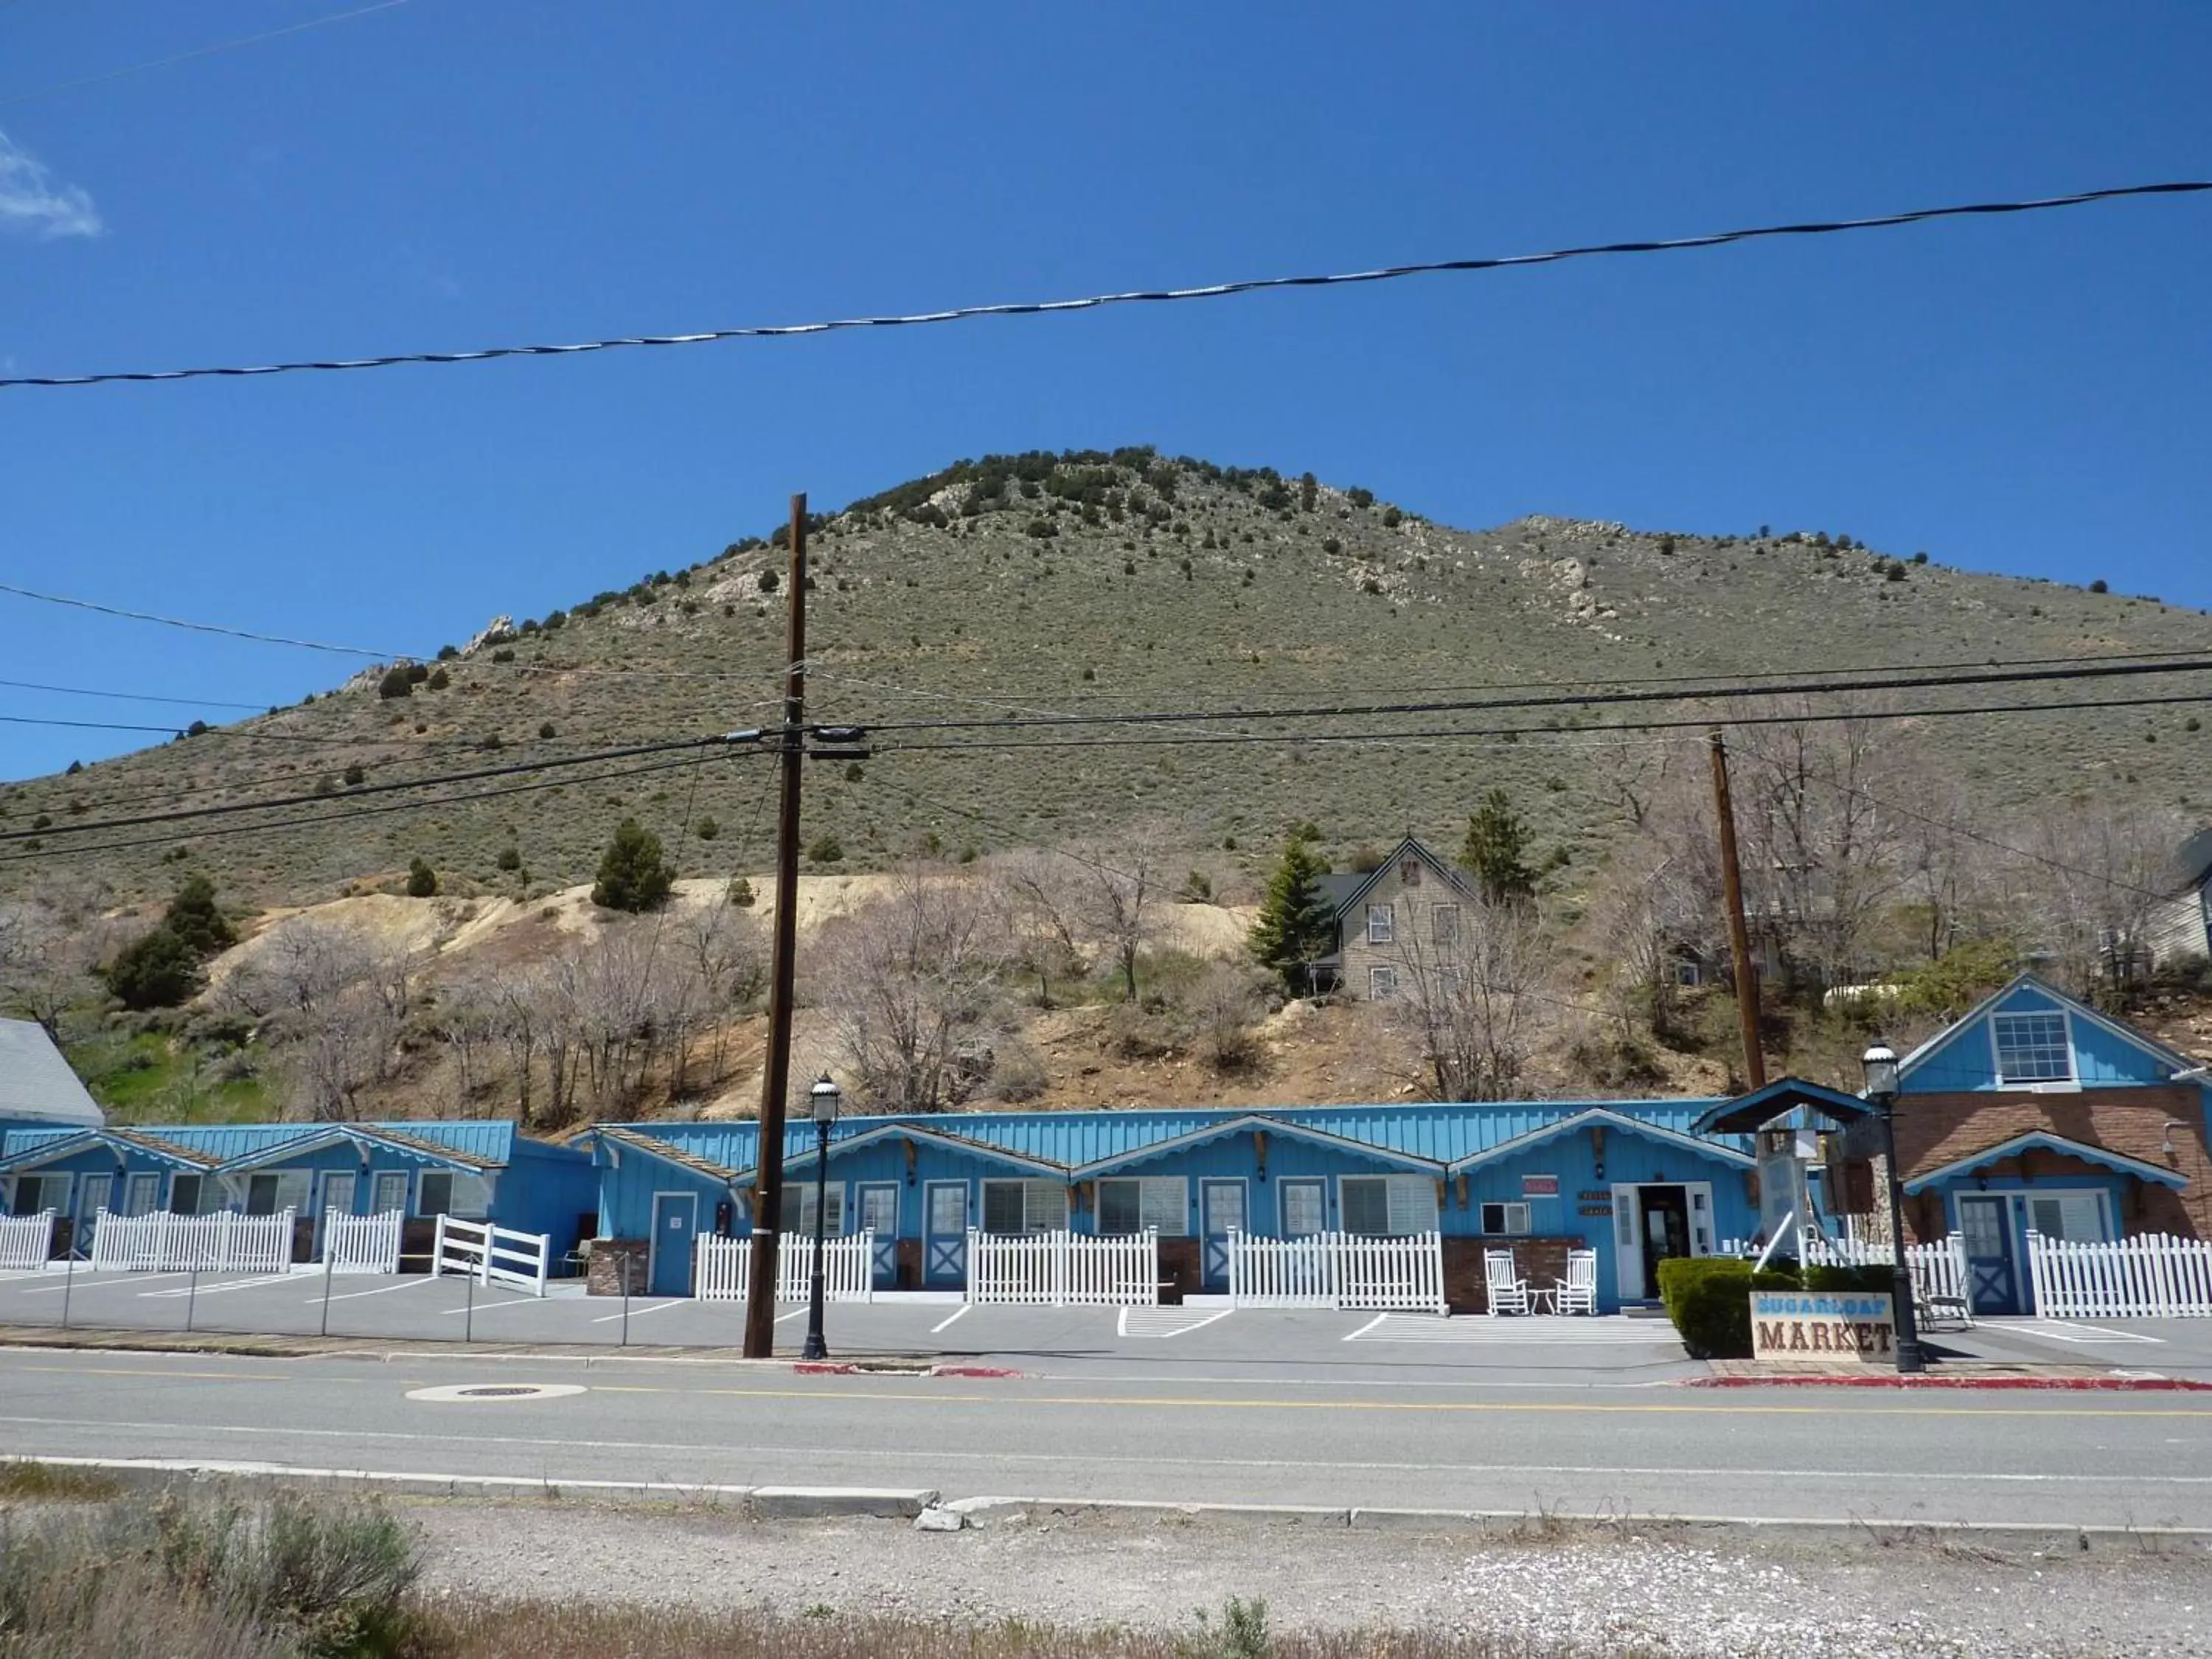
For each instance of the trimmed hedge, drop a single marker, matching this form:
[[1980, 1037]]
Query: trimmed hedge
[[1709, 1299]]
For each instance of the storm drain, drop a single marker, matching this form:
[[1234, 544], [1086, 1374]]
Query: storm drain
[[468, 1393]]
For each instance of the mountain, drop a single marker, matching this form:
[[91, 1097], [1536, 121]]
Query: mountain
[[1096, 582]]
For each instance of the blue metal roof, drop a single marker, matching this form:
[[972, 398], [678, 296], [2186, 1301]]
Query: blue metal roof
[[490, 1140]]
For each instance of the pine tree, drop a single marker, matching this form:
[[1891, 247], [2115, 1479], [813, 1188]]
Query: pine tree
[[1496, 848], [635, 874], [422, 880], [193, 919], [1295, 923], [160, 971]]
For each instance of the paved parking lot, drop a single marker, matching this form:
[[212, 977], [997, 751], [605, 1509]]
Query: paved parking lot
[[1196, 1341]]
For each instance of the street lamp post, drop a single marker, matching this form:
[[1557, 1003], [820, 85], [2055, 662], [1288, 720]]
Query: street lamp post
[[1881, 1063], [824, 1098]]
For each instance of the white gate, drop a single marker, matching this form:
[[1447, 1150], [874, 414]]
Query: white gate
[[491, 1255], [362, 1244], [225, 1242], [722, 1268], [2154, 1276], [1339, 1270], [26, 1241], [1063, 1268]]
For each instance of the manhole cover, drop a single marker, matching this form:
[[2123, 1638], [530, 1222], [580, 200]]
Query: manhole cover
[[465, 1393]]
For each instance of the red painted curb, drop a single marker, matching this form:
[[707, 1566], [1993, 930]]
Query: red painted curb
[[2075, 1384], [973, 1370], [823, 1368]]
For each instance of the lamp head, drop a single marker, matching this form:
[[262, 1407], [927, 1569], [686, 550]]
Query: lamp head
[[1881, 1063], [825, 1099]]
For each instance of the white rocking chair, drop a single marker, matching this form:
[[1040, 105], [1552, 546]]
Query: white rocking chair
[[1508, 1290], [1577, 1292]]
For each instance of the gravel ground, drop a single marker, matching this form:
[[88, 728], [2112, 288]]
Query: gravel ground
[[1680, 1594]]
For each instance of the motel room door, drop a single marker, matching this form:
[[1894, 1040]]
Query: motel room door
[[675, 1220], [879, 1214], [944, 1235], [1992, 1270], [1221, 1212]]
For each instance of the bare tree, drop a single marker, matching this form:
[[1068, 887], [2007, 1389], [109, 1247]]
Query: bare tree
[[50, 956], [1472, 995], [2094, 871], [1117, 894], [909, 983], [1033, 892]]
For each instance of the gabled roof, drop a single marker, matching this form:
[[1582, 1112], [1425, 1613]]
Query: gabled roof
[[2103, 1157], [2075, 1005], [364, 1135], [1783, 1098], [1409, 847], [1598, 1115], [904, 1131], [604, 1132], [1263, 1123], [69, 1145], [2192, 863], [37, 1085]]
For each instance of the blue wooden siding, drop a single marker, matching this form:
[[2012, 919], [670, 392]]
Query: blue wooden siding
[[1964, 1058]]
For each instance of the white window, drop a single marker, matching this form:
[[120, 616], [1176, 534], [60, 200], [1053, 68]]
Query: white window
[[1024, 1206], [141, 1194], [879, 1212], [1505, 1218], [1389, 1206], [798, 1208], [273, 1190], [2033, 1048], [1302, 1209], [948, 1207], [1381, 925], [390, 1192], [2077, 1216], [1443, 924], [1162, 1202], [37, 1192], [442, 1192], [1382, 984]]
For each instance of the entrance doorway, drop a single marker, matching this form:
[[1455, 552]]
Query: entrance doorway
[[1654, 1221], [668, 1254], [1666, 1221]]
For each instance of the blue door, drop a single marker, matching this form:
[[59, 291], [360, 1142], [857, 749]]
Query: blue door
[[879, 1214], [1221, 1212], [674, 1221], [944, 1235], [1992, 1271]]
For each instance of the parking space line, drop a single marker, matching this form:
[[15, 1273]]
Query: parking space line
[[959, 1314], [1354, 1336], [403, 1285], [217, 1290], [83, 1282], [640, 1313], [512, 1302], [2054, 1331]]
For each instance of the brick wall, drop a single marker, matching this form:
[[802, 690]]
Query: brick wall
[[1935, 1130], [1541, 1262], [603, 1269]]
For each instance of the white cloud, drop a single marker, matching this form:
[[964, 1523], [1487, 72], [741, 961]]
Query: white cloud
[[35, 203]]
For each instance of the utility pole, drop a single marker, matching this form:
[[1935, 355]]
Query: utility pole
[[1746, 977], [775, 1072]]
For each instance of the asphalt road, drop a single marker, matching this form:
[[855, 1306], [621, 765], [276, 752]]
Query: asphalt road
[[1628, 1448]]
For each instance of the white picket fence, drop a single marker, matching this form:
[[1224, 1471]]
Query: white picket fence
[[1338, 1270], [1064, 1269], [1938, 1269], [2153, 1276], [722, 1268], [491, 1255], [26, 1241], [362, 1244], [225, 1242]]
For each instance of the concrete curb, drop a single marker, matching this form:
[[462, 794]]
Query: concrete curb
[[1885, 1380]]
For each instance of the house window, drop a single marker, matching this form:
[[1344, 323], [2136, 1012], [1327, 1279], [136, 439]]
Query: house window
[[274, 1190], [1161, 1202], [2033, 1048], [1024, 1206], [141, 1194], [1409, 872], [390, 1192], [1301, 1207], [1389, 1206], [441, 1192], [2077, 1216], [1381, 925], [797, 1210], [1443, 924], [185, 1194], [1688, 973], [1505, 1218], [1382, 983], [35, 1193]]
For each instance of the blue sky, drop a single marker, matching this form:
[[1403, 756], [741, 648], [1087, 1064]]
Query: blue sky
[[2026, 395]]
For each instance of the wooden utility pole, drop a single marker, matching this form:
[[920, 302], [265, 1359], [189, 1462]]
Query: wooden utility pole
[[1746, 977], [775, 1072]]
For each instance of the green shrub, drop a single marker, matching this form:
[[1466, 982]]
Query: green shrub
[[1392, 518], [354, 774], [545, 729], [193, 918], [439, 680], [395, 684], [160, 971], [2099, 586], [1709, 1299], [826, 849], [739, 893], [422, 880], [635, 874], [510, 858], [707, 829], [769, 582]]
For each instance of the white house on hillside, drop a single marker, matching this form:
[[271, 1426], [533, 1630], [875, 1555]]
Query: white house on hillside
[[36, 1083]]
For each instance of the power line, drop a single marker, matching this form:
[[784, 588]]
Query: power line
[[1386, 735], [1886, 683], [201, 628], [129, 696], [1210, 291], [196, 53]]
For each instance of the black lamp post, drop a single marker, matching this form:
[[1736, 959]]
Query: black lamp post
[[824, 1098], [1881, 1063]]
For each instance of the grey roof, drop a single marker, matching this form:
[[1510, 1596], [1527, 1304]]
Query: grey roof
[[2192, 863], [36, 1083], [1337, 889]]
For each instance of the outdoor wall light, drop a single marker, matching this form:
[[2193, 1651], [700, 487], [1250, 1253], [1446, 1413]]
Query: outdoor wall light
[[2167, 1145]]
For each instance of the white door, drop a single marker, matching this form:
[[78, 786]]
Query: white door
[[1627, 1243]]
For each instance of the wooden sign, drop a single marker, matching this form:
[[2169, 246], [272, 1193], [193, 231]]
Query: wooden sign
[[1595, 1195], [1594, 1209], [1808, 1326]]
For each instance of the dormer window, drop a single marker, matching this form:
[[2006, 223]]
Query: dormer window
[[2031, 1048]]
